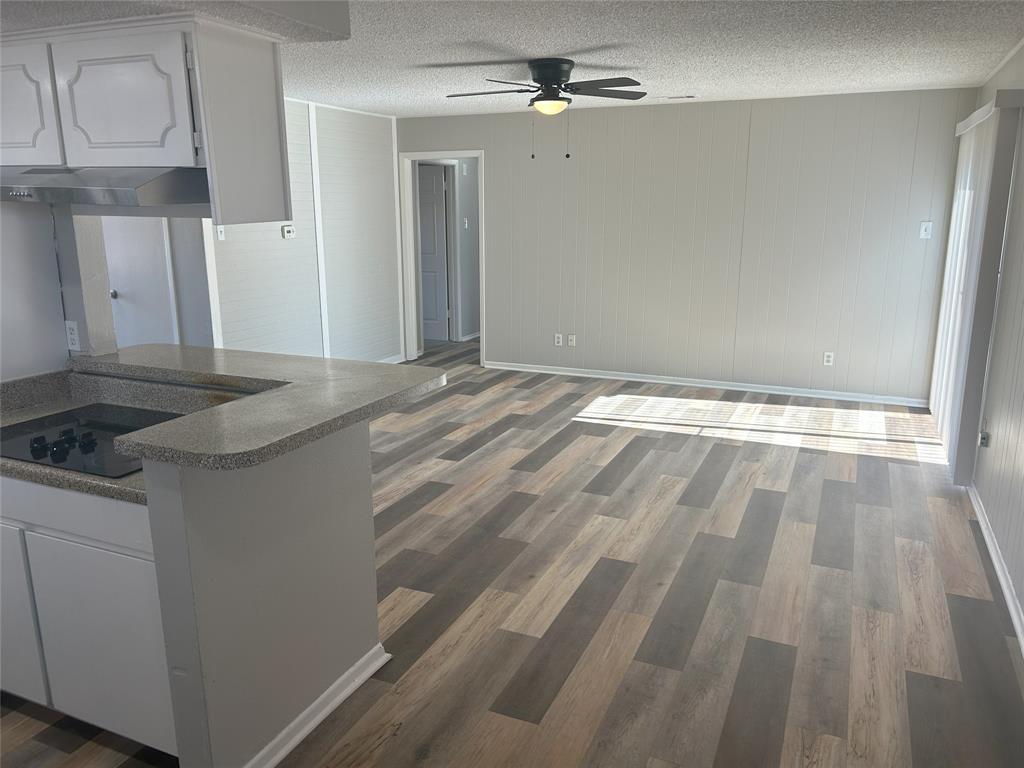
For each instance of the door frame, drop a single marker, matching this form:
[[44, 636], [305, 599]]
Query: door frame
[[412, 342]]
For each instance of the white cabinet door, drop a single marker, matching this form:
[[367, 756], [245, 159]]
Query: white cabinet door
[[124, 101], [21, 663], [29, 133], [103, 641]]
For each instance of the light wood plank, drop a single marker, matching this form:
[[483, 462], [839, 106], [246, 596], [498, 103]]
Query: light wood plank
[[731, 502], [879, 732], [780, 608], [957, 552], [928, 643], [652, 510], [396, 608]]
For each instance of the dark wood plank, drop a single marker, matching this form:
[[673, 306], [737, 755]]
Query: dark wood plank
[[551, 410], [625, 735], [382, 461], [873, 481], [407, 567], [554, 445], [874, 560], [803, 497], [406, 506], [677, 621], [755, 537], [834, 534], [707, 480], [477, 441], [755, 725], [535, 684], [619, 468], [909, 502]]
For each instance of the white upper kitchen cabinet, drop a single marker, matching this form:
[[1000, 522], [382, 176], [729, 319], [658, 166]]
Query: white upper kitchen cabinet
[[29, 132], [124, 100]]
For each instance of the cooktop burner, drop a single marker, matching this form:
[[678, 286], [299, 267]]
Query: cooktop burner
[[81, 439]]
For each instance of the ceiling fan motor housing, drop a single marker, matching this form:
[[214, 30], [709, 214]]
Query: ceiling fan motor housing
[[551, 72]]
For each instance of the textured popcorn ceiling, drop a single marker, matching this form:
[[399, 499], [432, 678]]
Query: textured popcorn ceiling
[[20, 15], [716, 50]]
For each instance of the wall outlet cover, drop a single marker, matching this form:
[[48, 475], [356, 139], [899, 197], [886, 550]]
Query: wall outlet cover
[[572, 339], [71, 328], [288, 231], [829, 358], [558, 339]]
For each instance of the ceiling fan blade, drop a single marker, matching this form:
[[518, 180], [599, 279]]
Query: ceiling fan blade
[[483, 63], [511, 82], [488, 93], [607, 82], [593, 49], [610, 94]]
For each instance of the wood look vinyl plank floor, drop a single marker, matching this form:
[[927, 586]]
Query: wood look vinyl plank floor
[[583, 572]]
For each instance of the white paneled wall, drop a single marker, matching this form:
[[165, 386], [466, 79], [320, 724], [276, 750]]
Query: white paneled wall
[[730, 241], [268, 286], [360, 241], [999, 471]]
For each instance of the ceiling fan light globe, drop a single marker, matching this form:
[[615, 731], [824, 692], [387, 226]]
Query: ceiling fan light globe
[[550, 105]]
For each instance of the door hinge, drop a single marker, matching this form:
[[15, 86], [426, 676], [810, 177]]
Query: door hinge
[[197, 139], [189, 61]]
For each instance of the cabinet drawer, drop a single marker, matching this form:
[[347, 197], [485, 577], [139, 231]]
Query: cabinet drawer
[[124, 101], [80, 514], [21, 662], [28, 113], [103, 641]]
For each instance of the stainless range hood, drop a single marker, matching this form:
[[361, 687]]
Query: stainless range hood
[[125, 187]]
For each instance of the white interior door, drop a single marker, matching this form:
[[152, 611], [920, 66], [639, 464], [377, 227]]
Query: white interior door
[[433, 253], [141, 280]]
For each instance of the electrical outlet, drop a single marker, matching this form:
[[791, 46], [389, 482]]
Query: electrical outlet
[[926, 230], [71, 328], [984, 439], [558, 339], [221, 233], [572, 339], [829, 359], [288, 231]]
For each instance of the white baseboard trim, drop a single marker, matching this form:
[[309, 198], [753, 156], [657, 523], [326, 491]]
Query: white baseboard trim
[[768, 388], [470, 336], [393, 359], [282, 744], [1009, 593]]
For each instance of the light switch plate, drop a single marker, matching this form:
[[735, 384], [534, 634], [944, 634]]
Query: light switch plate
[[288, 231], [221, 233], [926, 230], [571, 339]]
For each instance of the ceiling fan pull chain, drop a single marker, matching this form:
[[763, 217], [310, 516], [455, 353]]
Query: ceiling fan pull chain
[[533, 137], [567, 118]]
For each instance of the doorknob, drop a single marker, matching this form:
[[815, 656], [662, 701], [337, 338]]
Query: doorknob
[[113, 293]]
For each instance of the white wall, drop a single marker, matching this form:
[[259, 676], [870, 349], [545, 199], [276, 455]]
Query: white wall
[[357, 205], [467, 246], [268, 287], [999, 472], [188, 260], [731, 241], [32, 324]]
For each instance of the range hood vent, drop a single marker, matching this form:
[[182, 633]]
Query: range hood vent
[[125, 187]]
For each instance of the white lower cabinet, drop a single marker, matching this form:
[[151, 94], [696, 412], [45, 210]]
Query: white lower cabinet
[[21, 663], [102, 638]]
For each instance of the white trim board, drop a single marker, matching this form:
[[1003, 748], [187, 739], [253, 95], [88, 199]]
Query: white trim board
[[654, 379], [1009, 593], [282, 744]]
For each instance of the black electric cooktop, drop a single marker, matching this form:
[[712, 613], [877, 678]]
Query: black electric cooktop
[[81, 439]]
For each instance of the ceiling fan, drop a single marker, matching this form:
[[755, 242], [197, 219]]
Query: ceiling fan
[[554, 89]]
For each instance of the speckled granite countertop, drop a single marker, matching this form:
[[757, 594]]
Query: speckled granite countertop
[[296, 400]]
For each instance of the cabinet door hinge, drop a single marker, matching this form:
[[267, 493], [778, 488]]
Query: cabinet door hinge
[[189, 61], [197, 139]]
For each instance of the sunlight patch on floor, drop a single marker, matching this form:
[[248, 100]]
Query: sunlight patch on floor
[[871, 432]]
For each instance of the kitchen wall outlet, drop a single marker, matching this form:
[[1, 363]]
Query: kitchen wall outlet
[[572, 339], [71, 328], [558, 339], [829, 358], [926, 230], [221, 233], [288, 231]]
